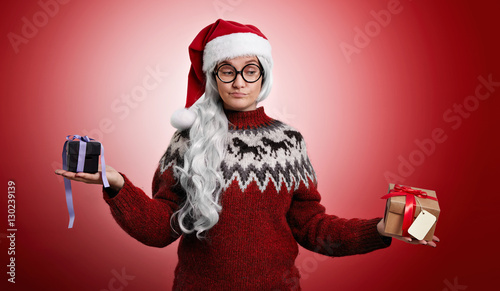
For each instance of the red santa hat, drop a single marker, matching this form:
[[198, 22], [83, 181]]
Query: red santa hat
[[221, 40]]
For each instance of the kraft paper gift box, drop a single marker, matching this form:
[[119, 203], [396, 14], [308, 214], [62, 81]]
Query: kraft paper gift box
[[93, 150], [395, 209]]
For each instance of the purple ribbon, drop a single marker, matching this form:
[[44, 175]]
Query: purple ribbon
[[79, 168], [81, 154]]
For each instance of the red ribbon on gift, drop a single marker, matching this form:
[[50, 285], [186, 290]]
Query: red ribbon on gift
[[410, 194]]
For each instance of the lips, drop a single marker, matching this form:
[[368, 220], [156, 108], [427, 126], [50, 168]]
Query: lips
[[238, 94]]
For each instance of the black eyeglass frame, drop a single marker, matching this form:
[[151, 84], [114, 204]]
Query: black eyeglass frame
[[261, 70]]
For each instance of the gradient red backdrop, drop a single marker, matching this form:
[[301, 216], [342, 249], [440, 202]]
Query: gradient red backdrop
[[365, 82]]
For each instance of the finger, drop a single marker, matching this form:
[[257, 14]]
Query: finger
[[432, 244], [88, 176], [59, 172], [412, 241], [435, 238], [84, 180], [66, 174], [422, 242], [408, 239], [71, 176]]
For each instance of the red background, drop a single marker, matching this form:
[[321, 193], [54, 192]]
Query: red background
[[359, 118]]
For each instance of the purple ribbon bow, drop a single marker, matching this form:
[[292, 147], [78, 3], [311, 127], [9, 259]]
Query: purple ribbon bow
[[79, 168]]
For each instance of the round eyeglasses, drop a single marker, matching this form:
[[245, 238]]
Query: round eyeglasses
[[227, 73]]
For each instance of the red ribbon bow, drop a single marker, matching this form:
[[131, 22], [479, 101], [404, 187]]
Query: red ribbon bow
[[410, 194]]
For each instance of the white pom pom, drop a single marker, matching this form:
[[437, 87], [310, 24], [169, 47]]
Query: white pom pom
[[183, 119]]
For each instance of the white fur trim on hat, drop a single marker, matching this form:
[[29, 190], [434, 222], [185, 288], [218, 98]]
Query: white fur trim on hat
[[182, 118], [234, 45]]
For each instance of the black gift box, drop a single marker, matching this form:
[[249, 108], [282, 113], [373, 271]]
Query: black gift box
[[92, 153]]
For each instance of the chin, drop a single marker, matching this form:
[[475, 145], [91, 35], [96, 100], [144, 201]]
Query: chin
[[240, 106]]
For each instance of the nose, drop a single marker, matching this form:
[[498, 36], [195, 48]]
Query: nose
[[239, 82]]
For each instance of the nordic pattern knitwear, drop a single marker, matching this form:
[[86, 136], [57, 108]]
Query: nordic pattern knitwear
[[269, 204]]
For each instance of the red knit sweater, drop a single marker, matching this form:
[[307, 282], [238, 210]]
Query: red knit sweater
[[269, 204]]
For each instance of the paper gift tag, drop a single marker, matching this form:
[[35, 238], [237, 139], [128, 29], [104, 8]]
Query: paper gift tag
[[421, 225]]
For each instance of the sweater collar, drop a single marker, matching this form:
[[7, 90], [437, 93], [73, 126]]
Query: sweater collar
[[247, 119]]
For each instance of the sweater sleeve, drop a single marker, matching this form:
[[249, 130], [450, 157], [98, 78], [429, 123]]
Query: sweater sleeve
[[149, 219], [328, 234]]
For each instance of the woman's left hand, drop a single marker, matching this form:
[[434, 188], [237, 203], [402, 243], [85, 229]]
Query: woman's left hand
[[380, 228]]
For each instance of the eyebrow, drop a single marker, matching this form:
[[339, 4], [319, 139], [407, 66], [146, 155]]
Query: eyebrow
[[247, 62]]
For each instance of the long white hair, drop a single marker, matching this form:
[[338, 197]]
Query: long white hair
[[200, 176]]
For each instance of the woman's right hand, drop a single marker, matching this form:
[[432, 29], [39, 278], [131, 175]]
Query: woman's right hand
[[432, 243], [115, 179]]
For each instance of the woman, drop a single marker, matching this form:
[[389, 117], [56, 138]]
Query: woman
[[236, 185]]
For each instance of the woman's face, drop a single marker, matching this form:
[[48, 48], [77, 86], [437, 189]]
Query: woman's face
[[239, 95]]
